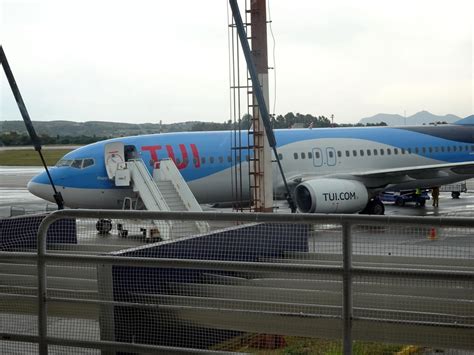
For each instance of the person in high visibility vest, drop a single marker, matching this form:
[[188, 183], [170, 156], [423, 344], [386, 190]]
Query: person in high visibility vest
[[418, 196]]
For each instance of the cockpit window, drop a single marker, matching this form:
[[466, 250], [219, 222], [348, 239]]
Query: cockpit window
[[76, 163], [64, 162], [87, 162]]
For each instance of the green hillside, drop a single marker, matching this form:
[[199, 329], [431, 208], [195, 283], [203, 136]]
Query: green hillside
[[13, 133], [93, 128]]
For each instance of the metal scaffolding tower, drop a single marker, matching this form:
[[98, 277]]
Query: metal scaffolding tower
[[252, 172]]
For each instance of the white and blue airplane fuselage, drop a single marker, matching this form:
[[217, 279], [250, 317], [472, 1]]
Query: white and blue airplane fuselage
[[331, 169]]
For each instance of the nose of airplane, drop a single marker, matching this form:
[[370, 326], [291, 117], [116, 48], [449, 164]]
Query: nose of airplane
[[40, 187]]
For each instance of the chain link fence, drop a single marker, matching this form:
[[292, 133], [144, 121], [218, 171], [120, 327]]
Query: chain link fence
[[265, 284]]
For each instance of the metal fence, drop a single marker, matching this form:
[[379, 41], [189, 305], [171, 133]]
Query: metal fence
[[300, 283]]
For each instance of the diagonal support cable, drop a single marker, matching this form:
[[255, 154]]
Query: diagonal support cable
[[29, 125]]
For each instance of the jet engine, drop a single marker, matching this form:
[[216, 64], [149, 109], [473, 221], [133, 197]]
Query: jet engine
[[331, 196]]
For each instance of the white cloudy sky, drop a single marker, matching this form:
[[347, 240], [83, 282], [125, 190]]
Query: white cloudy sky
[[144, 61]]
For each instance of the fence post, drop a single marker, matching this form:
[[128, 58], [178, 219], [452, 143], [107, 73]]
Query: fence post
[[106, 312], [42, 306], [347, 288]]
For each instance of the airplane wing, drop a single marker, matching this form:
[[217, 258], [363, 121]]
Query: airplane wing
[[421, 170], [382, 177]]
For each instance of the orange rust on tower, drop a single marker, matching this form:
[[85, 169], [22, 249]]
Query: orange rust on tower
[[261, 181]]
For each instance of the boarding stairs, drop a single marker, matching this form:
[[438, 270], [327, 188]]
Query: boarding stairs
[[165, 190], [177, 193]]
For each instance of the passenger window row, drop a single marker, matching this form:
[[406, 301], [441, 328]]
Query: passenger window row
[[387, 151], [211, 160]]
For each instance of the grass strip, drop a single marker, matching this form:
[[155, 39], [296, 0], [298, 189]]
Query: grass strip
[[30, 157]]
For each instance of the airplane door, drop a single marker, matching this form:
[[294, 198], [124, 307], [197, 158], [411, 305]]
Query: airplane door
[[317, 157], [331, 156], [130, 152], [113, 154]]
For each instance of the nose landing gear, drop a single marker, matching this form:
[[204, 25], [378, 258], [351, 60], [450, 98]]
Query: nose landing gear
[[103, 226]]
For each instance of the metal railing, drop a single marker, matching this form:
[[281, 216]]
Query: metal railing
[[346, 270]]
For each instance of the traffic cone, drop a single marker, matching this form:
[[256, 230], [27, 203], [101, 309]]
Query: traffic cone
[[432, 235]]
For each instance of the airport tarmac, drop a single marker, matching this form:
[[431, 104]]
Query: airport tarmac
[[13, 192]]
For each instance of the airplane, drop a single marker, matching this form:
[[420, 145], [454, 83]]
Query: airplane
[[331, 170]]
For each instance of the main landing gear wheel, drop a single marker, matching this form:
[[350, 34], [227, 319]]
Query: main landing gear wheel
[[455, 194], [374, 206], [103, 226]]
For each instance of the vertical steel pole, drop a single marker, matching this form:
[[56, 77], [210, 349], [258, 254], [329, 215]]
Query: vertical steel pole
[[262, 165], [347, 288]]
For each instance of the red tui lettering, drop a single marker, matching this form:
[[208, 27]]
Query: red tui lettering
[[184, 162], [153, 152]]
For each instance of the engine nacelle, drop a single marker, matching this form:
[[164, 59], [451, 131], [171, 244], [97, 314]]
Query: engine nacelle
[[331, 196]]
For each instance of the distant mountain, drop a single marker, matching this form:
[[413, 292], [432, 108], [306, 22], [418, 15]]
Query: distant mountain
[[469, 120], [419, 118]]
